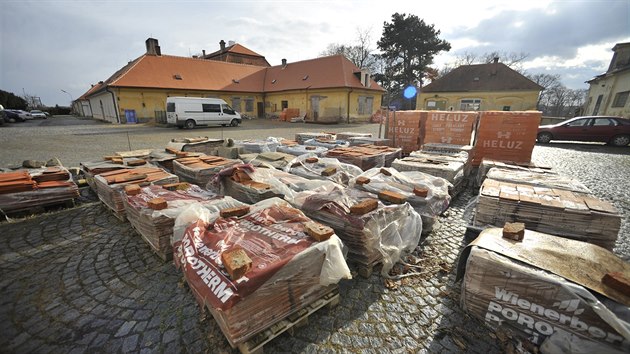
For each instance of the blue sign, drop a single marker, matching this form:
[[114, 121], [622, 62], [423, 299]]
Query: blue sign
[[410, 92]]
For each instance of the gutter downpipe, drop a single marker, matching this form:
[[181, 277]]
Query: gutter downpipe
[[348, 115], [115, 105]]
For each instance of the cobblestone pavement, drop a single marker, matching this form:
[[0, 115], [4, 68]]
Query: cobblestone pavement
[[80, 280]]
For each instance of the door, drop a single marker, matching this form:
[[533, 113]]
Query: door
[[261, 109], [575, 130], [228, 114], [315, 108], [601, 129], [212, 113]]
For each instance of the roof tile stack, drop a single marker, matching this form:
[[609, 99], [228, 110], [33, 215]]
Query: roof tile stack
[[199, 170], [27, 189], [109, 185]]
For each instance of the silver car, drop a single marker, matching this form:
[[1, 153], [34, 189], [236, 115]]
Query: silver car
[[38, 114]]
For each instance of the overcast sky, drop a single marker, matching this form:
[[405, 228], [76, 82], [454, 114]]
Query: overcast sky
[[49, 46]]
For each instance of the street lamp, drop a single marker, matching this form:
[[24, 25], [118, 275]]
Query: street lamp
[[71, 99]]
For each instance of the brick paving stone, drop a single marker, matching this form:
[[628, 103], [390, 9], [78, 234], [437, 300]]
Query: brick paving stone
[[81, 280]]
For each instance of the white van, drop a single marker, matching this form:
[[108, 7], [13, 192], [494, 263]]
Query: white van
[[192, 111]]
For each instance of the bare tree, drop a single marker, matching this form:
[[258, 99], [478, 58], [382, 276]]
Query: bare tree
[[511, 59], [360, 52], [547, 81]]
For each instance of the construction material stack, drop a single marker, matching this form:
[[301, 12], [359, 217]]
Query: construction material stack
[[303, 137], [200, 170], [152, 210], [374, 233], [313, 167], [561, 295], [27, 189], [254, 267], [427, 194], [404, 130], [110, 185], [366, 156], [506, 136]]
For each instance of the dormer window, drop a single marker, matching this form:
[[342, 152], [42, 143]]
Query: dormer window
[[235, 81], [273, 81], [177, 77], [305, 78]]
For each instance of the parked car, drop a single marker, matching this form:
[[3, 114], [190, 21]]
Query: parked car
[[38, 114], [610, 130], [13, 114], [23, 114]]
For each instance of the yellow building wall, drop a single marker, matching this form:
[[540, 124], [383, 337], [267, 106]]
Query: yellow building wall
[[608, 88], [333, 103], [490, 101]]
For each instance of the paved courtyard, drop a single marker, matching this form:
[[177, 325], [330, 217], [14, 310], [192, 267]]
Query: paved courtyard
[[80, 280]]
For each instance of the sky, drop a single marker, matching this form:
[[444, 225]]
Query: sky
[[50, 46]]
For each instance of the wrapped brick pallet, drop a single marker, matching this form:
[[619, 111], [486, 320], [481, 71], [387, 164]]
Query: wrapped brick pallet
[[487, 164], [276, 160], [302, 137], [110, 185], [312, 167], [255, 270], [26, 189], [427, 194], [156, 226], [449, 127], [404, 130], [297, 150], [199, 170], [366, 156], [374, 233], [240, 183], [561, 295], [92, 168]]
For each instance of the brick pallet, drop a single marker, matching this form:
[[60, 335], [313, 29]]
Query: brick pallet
[[450, 169], [367, 227], [366, 156], [156, 226], [277, 160], [302, 137], [240, 185], [109, 185], [34, 189], [555, 211], [297, 150], [200, 170], [506, 136], [330, 169], [285, 271], [487, 164]]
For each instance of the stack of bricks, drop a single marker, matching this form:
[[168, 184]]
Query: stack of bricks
[[404, 130], [302, 137], [109, 185], [242, 187], [450, 127], [200, 170], [27, 189], [366, 156], [506, 136]]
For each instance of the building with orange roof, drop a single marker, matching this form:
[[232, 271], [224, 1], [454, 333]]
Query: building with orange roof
[[328, 89]]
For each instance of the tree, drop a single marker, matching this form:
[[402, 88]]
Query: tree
[[409, 45], [359, 53], [512, 59], [10, 100], [547, 81]]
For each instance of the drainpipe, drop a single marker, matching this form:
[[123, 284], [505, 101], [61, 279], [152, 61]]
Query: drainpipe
[[348, 115], [115, 105]]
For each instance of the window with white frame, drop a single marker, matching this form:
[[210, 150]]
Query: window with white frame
[[471, 104]]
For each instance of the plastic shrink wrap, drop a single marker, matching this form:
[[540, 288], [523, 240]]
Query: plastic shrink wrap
[[427, 194], [380, 235], [288, 269]]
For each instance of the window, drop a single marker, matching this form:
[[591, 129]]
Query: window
[[285, 104], [470, 104], [249, 105], [577, 123], [598, 122], [620, 99], [170, 107], [365, 104], [211, 107], [227, 109], [506, 108], [236, 103]]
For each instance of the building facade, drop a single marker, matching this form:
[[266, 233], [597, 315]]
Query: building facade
[[329, 89], [608, 93], [480, 87]]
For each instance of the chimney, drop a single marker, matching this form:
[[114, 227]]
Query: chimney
[[284, 63], [204, 52], [495, 60], [152, 46], [222, 44], [231, 43]]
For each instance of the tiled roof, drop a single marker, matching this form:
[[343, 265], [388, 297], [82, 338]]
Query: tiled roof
[[327, 72], [482, 77], [234, 48], [171, 72]]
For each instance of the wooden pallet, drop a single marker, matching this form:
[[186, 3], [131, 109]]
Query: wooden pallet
[[366, 270], [120, 216], [289, 324], [38, 209]]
